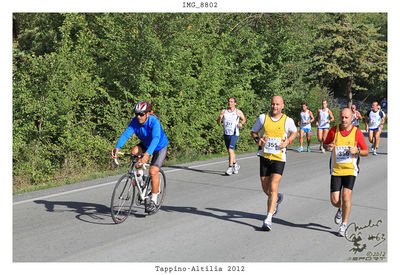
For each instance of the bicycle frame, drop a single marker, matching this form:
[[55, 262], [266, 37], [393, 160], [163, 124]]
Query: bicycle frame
[[134, 173]]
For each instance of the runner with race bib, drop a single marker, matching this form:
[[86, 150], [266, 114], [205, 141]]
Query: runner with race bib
[[277, 131], [374, 121], [325, 117], [347, 144], [230, 117]]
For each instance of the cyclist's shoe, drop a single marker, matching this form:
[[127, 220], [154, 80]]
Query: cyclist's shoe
[[300, 149], [150, 207], [308, 149], [342, 230], [280, 199], [266, 226], [236, 168], [229, 171], [338, 216]]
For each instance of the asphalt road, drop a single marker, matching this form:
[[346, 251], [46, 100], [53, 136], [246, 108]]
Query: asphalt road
[[210, 217]]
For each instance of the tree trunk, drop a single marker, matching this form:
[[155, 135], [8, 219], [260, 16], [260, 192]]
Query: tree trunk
[[349, 93]]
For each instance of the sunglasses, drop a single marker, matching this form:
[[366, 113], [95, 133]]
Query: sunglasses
[[140, 114]]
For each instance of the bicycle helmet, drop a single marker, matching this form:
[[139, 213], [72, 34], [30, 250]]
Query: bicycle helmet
[[142, 107]]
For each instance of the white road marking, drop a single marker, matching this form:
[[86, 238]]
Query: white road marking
[[111, 182]]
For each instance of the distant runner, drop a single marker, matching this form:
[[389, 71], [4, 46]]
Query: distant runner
[[230, 118], [374, 121], [306, 118], [356, 116], [325, 117], [347, 143]]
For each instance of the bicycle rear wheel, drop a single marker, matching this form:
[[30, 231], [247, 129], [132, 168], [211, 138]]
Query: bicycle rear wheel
[[122, 198], [162, 189]]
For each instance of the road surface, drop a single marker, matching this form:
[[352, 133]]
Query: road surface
[[210, 217]]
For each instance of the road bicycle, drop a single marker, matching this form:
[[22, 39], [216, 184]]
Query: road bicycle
[[136, 181]]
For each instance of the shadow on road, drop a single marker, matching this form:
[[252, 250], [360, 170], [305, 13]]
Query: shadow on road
[[87, 212], [198, 170], [235, 216]]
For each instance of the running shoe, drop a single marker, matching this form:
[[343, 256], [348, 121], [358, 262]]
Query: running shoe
[[342, 230], [280, 199], [308, 149], [323, 150], [338, 216], [150, 207], [300, 149], [266, 226], [229, 171], [236, 168], [374, 152]]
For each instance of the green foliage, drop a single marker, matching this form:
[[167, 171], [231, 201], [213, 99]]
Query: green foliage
[[76, 78]]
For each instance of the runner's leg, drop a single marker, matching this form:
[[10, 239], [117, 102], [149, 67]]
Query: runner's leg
[[273, 185], [301, 138], [346, 198], [377, 136], [308, 139]]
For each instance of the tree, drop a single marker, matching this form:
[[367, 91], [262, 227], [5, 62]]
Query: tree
[[350, 51]]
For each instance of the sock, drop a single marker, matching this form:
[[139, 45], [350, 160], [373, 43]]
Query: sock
[[269, 217], [154, 197]]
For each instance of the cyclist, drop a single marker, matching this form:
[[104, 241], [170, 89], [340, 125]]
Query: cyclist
[[147, 128]]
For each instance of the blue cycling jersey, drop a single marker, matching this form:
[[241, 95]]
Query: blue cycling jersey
[[150, 134]]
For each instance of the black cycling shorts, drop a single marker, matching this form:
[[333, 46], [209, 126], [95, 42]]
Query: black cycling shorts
[[158, 156], [337, 182], [268, 167]]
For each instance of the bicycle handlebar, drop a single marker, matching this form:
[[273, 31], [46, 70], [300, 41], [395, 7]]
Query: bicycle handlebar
[[145, 165]]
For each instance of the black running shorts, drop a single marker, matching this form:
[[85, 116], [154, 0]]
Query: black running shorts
[[268, 167], [158, 156], [337, 182]]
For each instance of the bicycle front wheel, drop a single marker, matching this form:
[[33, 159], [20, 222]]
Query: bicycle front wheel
[[122, 198]]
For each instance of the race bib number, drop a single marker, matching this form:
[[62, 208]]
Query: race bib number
[[272, 145], [374, 123], [229, 128], [343, 154]]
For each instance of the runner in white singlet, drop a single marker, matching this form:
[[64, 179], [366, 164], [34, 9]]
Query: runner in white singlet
[[374, 121], [356, 116], [325, 116], [230, 117], [306, 118]]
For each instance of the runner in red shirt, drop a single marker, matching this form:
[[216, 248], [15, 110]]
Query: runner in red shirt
[[347, 144]]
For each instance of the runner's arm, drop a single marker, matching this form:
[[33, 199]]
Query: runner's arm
[[291, 128], [242, 117], [220, 117], [256, 129], [312, 117], [328, 142], [331, 116], [361, 146]]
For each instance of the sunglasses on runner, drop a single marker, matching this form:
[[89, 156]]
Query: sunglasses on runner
[[139, 114]]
